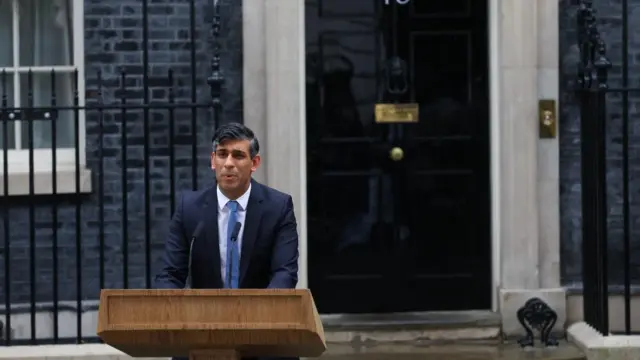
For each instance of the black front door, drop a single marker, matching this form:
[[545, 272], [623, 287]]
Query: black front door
[[398, 213]]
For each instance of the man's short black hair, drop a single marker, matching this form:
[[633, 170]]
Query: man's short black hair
[[236, 131]]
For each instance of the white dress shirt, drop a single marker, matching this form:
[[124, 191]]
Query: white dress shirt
[[223, 219]]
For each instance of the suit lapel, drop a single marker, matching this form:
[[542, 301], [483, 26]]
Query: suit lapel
[[252, 227], [210, 218]]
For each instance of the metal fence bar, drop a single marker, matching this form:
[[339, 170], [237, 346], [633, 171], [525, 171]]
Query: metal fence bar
[[6, 331], [127, 107], [216, 79], [194, 94], [101, 189], [54, 212], [625, 169], [147, 180], [101, 230], [125, 205], [593, 82], [594, 212], [32, 228], [172, 161], [76, 141]]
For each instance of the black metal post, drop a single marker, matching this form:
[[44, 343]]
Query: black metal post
[[147, 154], [592, 78], [626, 207], [194, 112], [78, 206], [124, 188], [54, 212], [4, 119], [216, 79], [32, 211]]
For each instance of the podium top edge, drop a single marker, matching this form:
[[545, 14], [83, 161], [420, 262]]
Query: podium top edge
[[209, 292]]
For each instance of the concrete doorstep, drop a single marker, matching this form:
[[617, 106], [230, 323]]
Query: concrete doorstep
[[596, 346]]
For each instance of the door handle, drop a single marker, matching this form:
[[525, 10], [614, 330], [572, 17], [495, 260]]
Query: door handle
[[396, 154]]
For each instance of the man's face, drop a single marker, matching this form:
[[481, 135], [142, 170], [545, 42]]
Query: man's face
[[233, 165]]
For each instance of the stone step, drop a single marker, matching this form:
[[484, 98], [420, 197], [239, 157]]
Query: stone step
[[419, 327], [565, 351]]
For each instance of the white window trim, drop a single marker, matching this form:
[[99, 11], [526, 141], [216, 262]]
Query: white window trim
[[18, 164]]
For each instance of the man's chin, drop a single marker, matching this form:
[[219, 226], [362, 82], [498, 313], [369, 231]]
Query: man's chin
[[228, 186]]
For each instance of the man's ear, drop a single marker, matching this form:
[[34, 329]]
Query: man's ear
[[256, 162], [213, 164]]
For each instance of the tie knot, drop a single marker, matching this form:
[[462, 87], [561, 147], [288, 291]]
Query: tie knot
[[232, 205]]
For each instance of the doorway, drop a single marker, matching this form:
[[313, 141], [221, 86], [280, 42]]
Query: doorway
[[398, 212]]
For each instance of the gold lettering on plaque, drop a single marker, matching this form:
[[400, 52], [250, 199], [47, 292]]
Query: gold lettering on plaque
[[396, 113]]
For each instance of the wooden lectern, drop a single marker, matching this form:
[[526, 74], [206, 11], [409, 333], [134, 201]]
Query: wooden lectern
[[211, 324]]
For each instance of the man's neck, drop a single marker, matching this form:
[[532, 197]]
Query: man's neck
[[235, 195]]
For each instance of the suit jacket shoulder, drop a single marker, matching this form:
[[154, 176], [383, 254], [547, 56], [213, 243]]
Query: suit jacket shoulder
[[192, 203], [271, 195], [195, 197]]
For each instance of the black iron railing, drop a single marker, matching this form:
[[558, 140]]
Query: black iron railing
[[88, 183], [606, 253]]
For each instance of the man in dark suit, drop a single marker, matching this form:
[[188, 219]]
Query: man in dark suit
[[247, 236]]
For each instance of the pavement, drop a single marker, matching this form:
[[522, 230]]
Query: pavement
[[454, 351]]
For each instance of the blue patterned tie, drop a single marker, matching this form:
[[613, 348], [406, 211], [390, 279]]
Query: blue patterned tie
[[233, 256]]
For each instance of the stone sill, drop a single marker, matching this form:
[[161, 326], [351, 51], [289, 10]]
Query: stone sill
[[43, 182], [411, 320]]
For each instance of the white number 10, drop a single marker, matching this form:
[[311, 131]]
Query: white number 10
[[401, 2]]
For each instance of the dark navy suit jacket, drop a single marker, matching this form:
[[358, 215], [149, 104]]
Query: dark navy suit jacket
[[269, 255]]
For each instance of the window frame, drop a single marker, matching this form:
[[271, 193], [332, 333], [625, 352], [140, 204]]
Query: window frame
[[18, 159]]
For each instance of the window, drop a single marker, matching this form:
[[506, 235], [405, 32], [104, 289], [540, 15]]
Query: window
[[38, 38]]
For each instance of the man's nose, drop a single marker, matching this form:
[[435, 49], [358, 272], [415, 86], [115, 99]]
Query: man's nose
[[228, 162]]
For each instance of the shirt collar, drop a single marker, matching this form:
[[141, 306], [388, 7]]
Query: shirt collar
[[242, 200]]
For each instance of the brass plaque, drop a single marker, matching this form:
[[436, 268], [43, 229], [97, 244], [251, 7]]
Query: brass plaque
[[396, 113], [547, 118]]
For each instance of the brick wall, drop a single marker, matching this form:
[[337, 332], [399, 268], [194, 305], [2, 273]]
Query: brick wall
[[609, 14], [113, 42]]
